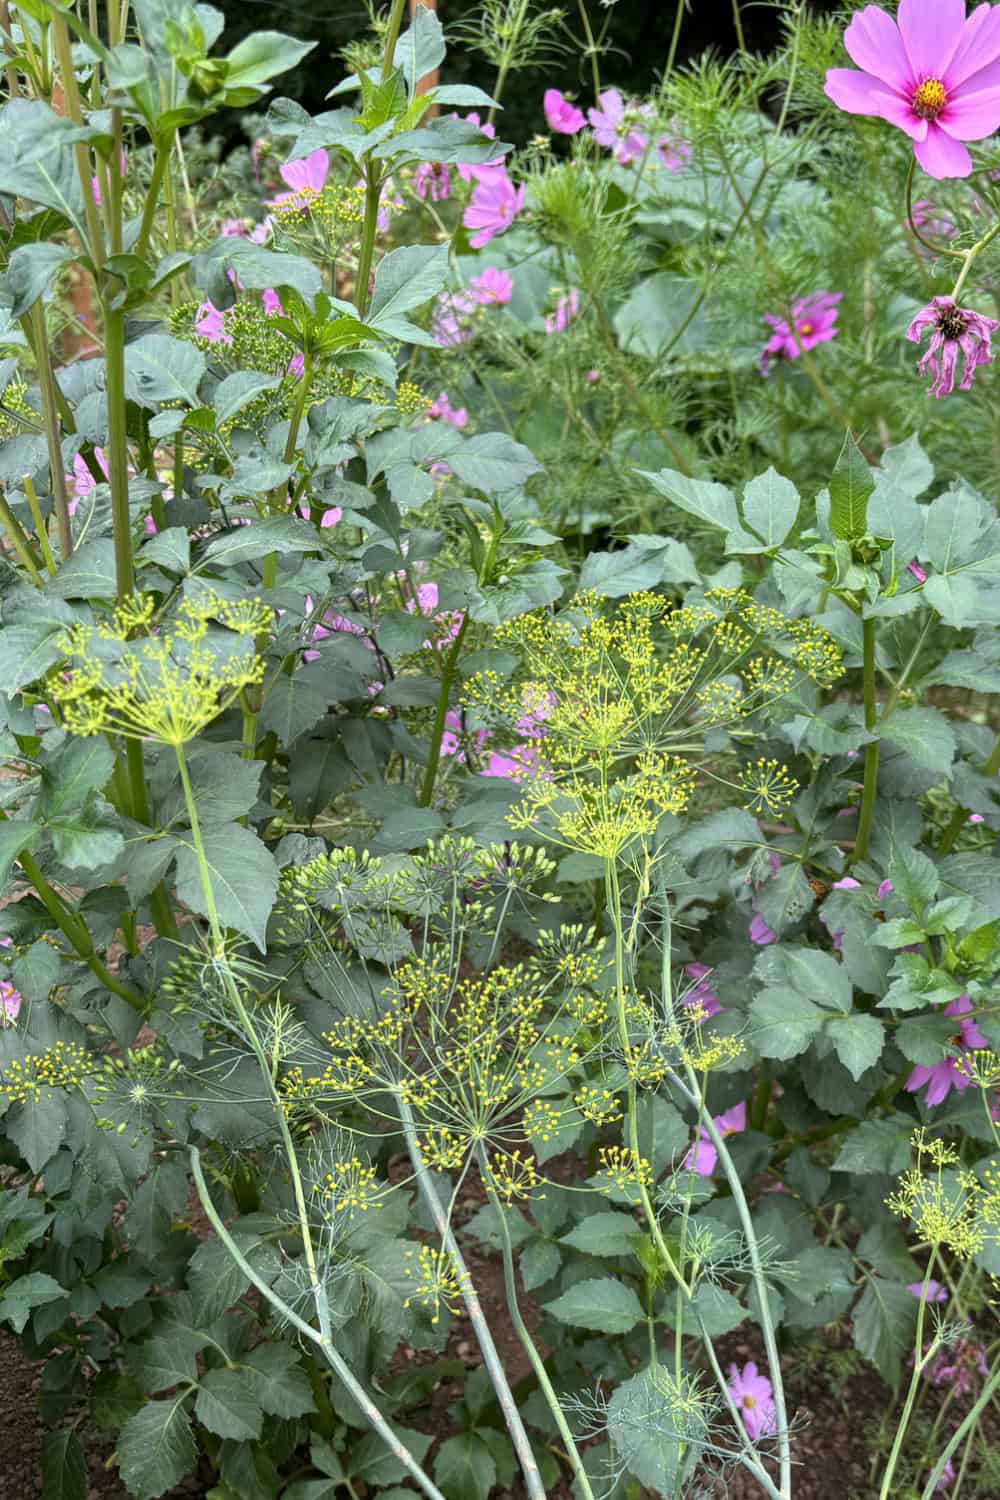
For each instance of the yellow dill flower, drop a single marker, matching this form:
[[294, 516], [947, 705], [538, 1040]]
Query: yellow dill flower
[[439, 1281], [64, 1065], [349, 1187], [944, 1212], [624, 1168], [444, 1150], [167, 686], [410, 399], [767, 785], [599, 1106], [512, 1175]]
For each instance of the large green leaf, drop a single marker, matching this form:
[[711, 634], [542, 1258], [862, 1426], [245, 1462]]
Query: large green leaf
[[770, 507], [32, 273], [156, 1448], [65, 1475], [604, 1233], [26, 1293], [465, 1468], [884, 1320], [227, 1405], [37, 1127], [261, 56], [278, 1380], [603, 1304], [243, 876], [160, 368], [851, 485]]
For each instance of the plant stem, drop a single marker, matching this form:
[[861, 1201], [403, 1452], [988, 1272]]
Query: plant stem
[[738, 24], [19, 541], [160, 163], [441, 716], [593, 52], [95, 234], [488, 1349], [986, 1395], [873, 747], [50, 415], [528, 1343], [959, 816], [41, 532], [920, 1361], [114, 365], [373, 192], [340, 1368], [674, 38], [748, 1456]]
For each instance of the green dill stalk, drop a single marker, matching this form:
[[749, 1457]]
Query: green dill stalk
[[920, 1363], [509, 46], [528, 1343], [480, 1327], [441, 714], [64, 54], [873, 747], [339, 1365]]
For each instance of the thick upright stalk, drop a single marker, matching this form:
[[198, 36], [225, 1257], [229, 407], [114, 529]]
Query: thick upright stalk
[[369, 230], [873, 747], [528, 1344], [441, 716], [488, 1349], [114, 367], [95, 234], [16, 536], [339, 1366], [50, 416], [160, 164]]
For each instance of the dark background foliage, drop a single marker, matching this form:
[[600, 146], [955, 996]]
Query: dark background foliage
[[638, 36]]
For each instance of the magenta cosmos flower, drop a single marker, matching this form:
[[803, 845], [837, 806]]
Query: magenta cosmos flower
[[493, 207], [813, 321], [566, 310], [946, 1075], [305, 178], [754, 1399], [614, 126], [703, 1155], [491, 286], [701, 996], [935, 74], [560, 115], [955, 330]]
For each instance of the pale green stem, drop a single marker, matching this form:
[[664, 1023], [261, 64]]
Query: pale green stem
[[488, 1349], [50, 415], [970, 258], [339, 1366], [873, 747], [528, 1343], [95, 234], [441, 714], [160, 163], [19, 541], [748, 1457], [920, 1362], [41, 531]]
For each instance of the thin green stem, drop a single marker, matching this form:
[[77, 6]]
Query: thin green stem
[[480, 1327], [675, 38], [64, 54], [41, 531], [160, 163], [339, 1366], [19, 541], [50, 416], [528, 1343], [441, 715], [873, 747], [593, 52], [920, 1361], [391, 37], [738, 24], [114, 365]]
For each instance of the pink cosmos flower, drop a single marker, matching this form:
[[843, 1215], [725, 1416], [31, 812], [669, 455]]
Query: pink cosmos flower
[[476, 171], [701, 995], [885, 889], [10, 1002], [456, 734], [493, 207], [329, 517], [516, 764], [491, 286], [448, 622], [210, 323], [432, 180], [305, 178], [813, 322], [935, 1291], [934, 75], [271, 302], [566, 310], [956, 330], [442, 410], [753, 1396], [560, 115], [703, 1156], [614, 129], [944, 1076], [919, 573], [452, 319], [760, 933], [956, 1366], [672, 152], [235, 228]]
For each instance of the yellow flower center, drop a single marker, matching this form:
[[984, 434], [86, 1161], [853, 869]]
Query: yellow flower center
[[930, 99], [806, 328], [749, 1402]]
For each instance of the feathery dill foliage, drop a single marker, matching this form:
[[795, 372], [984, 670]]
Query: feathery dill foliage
[[620, 708]]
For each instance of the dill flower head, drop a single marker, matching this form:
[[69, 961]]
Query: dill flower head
[[945, 1206], [439, 1282], [167, 685], [64, 1065], [612, 710]]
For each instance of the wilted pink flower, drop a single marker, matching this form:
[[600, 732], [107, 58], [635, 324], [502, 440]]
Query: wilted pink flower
[[442, 410], [614, 128], [493, 207], [672, 152], [210, 323], [305, 178], [754, 1399], [432, 180], [760, 933], [703, 1155], [947, 1476], [452, 319], [10, 1002], [560, 115], [956, 330], [944, 1076], [933, 75], [566, 310], [491, 286], [885, 889], [935, 1291], [813, 322], [701, 994], [956, 1366]]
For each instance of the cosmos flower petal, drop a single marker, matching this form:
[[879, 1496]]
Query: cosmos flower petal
[[979, 47], [874, 43], [860, 95], [972, 116], [940, 155], [931, 31]]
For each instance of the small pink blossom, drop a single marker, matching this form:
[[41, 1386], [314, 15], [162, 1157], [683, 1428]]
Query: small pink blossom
[[10, 1002], [516, 764], [935, 1291], [701, 995], [235, 228], [330, 517], [271, 303], [955, 330], [297, 365], [614, 128], [491, 286], [560, 115], [672, 153], [932, 73], [593, 376], [813, 321], [946, 1075], [760, 933], [210, 324], [919, 573], [566, 310], [454, 734], [703, 1155], [83, 480], [955, 1367], [885, 889], [453, 318], [754, 1399], [848, 883], [493, 207], [976, 818], [305, 178], [432, 180], [441, 410], [947, 1476]]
